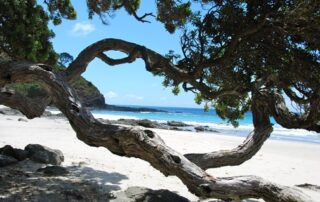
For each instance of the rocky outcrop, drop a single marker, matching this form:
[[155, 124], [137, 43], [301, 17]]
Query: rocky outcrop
[[7, 160], [88, 93], [205, 129], [177, 124], [18, 154], [43, 154], [142, 122], [36, 152]]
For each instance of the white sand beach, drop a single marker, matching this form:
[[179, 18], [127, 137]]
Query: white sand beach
[[283, 162]]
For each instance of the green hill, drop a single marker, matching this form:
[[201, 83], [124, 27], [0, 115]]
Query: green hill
[[88, 93]]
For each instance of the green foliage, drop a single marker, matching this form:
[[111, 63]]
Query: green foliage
[[65, 59], [172, 56], [105, 9], [59, 9], [206, 107], [198, 98], [28, 89], [232, 108], [173, 14], [238, 48], [24, 32], [176, 90]]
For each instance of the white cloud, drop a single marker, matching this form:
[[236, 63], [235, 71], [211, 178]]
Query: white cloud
[[134, 97], [111, 94], [82, 29]]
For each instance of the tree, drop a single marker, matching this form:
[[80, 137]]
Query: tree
[[65, 59], [237, 56]]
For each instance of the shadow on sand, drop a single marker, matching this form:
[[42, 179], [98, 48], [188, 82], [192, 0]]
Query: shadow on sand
[[22, 182]]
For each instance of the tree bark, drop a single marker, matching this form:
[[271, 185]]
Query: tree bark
[[286, 118], [233, 157], [136, 141], [31, 108], [246, 150]]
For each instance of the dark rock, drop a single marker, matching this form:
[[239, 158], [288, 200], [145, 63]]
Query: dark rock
[[205, 129], [2, 112], [148, 124], [18, 154], [177, 124], [54, 170], [7, 160], [144, 122], [201, 128], [7, 150], [130, 122], [22, 119], [179, 129], [141, 194], [309, 186], [43, 154]]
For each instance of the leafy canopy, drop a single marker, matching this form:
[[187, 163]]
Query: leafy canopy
[[239, 48], [24, 33]]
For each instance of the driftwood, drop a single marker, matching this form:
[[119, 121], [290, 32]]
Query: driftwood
[[137, 141]]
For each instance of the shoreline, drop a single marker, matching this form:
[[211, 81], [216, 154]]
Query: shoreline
[[284, 162], [279, 133]]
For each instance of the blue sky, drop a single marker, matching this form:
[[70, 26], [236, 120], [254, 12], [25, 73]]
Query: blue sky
[[128, 84]]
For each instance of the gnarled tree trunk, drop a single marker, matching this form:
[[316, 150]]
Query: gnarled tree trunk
[[136, 141]]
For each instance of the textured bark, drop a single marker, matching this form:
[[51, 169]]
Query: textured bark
[[31, 108], [138, 142], [246, 150], [283, 116], [233, 157]]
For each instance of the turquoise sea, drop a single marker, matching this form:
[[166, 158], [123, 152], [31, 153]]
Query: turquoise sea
[[197, 116]]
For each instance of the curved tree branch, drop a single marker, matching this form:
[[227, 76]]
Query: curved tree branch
[[141, 143], [246, 150], [155, 63], [286, 118], [233, 157]]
